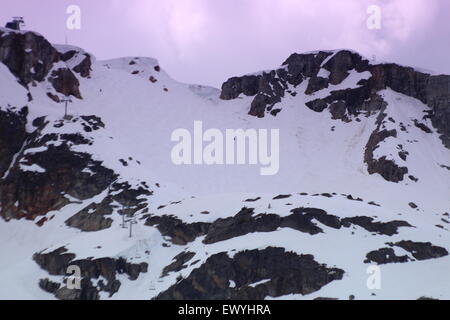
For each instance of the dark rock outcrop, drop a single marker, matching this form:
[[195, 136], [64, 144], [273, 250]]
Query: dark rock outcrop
[[179, 263], [30, 194], [12, 135], [84, 67], [388, 169], [384, 256], [279, 273], [438, 99], [94, 216], [301, 66], [180, 233], [38, 193], [341, 63], [282, 196], [246, 222], [401, 79], [49, 286], [422, 126], [65, 82], [248, 85], [57, 262], [419, 250], [269, 88], [386, 228], [28, 56]]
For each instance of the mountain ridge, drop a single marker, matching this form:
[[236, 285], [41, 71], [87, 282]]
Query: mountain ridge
[[364, 165]]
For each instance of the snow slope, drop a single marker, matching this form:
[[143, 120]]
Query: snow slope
[[317, 154]]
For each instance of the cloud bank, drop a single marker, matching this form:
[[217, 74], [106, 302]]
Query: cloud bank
[[205, 41]]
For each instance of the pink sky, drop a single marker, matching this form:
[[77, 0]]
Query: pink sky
[[207, 41]]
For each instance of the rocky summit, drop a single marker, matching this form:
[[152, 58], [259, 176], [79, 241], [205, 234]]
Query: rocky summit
[[87, 182]]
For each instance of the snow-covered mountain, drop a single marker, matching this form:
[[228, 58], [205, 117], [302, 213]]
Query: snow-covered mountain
[[363, 180]]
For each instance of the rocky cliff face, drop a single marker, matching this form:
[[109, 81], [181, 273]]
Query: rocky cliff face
[[438, 98], [27, 55], [31, 58], [322, 69], [40, 170], [12, 135], [45, 173], [45, 169]]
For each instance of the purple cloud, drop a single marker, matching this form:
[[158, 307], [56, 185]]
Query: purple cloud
[[204, 41]]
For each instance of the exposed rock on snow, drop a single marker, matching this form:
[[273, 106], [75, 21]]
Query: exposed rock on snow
[[30, 194], [287, 273], [103, 270], [12, 135], [64, 81], [418, 250], [269, 88], [121, 196], [246, 221], [20, 62], [388, 169]]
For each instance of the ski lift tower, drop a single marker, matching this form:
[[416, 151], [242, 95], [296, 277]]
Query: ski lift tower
[[131, 221], [66, 100], [16, 23]]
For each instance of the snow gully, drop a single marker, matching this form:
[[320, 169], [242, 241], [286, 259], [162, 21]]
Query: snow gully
[[227, 149]]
